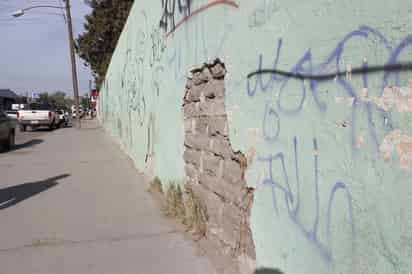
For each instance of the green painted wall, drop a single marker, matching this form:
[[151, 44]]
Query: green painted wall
[[326, 200]]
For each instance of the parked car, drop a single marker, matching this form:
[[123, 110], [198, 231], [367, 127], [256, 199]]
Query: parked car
[[63, 118], [81, 112], [7, 130], [37, 115], [12, 113]]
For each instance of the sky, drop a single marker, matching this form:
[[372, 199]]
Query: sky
[[34, 48]]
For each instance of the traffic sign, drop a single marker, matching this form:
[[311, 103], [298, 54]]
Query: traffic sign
[[35, 95]]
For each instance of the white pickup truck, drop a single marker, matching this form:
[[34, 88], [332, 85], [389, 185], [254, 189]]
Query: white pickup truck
[[37, 115]]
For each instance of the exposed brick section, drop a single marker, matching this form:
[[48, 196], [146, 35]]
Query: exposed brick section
[[207, 125], [214, 171]]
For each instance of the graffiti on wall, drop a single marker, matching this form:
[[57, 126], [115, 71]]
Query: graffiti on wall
[[170, 13], [263, 13], [311, 76], [303, 195], [132, 83], [282, 191], [305, 70], [147, 46], [184, 13], [193, 46]]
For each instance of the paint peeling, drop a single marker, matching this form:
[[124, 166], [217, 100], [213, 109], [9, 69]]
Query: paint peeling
[[403, 145], [253, 136], [250, 156], [229, 115], [364, 93], [339, 99], [360, 142], [399, 99]]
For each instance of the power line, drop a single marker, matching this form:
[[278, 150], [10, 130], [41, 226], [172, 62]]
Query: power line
[[45, 13]]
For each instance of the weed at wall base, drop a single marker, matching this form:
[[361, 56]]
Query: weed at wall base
[[185, 206], [155, 186], [195, 218], [180, 203], [170, 209]]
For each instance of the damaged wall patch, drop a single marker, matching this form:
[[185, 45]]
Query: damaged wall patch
[[403, 145]]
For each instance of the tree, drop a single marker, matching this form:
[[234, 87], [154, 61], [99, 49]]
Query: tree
[[103, 28], [85, 102], [58, 100], [44, 98]]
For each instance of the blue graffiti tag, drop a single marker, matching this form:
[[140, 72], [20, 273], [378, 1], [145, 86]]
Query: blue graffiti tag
[[315, 74], [292, 200], [271, 124]]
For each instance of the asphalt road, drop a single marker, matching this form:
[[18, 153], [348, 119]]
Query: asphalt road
[[28, 137]]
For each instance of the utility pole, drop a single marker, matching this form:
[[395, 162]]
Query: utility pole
[[73, 61]]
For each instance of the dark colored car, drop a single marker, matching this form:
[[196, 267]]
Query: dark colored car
[[12, 113], [7, 130]]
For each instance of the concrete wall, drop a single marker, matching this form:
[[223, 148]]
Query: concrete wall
[[327, 131]]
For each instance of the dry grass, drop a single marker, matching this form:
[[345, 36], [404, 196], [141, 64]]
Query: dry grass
[[171, 200], [180, 203], [187, 208], [184, 206], [174, 206], [156, 186], [196, 214]]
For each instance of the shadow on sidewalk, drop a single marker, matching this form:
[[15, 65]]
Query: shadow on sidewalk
[[13, 195], [30, 143], [27, 144], [268, 271]]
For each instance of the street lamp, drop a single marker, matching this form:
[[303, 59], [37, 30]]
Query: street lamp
[[18, 13], [21, 12]]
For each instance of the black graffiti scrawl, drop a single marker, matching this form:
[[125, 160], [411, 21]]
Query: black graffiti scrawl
[[168, 22]]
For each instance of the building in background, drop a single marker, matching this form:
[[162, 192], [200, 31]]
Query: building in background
[[7, 99]]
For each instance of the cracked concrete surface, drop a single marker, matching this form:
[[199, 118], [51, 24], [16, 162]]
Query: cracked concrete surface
[[80, 207]]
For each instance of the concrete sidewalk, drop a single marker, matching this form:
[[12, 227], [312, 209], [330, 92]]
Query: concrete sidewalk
[[74, 204]]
